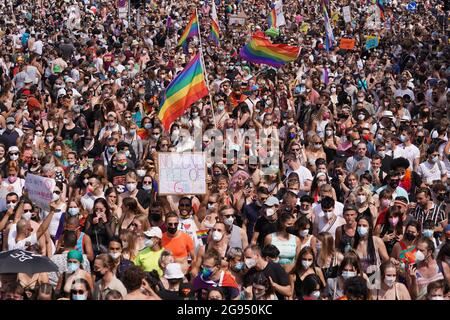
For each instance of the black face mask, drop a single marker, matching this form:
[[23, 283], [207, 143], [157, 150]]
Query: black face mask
[[172, 230], [409, 236], [440, 197], [98, 275], [393, 184], [155, 217], [291, 230]]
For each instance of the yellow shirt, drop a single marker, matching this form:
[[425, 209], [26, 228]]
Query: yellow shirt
[[148, 259]]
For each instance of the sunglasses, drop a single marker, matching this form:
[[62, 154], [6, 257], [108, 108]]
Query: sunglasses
[[77, 291], [146, 182], [57, 192], [173, 224], [27, 211], [14, 153]]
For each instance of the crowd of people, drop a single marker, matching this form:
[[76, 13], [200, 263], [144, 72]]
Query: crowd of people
[[355, 207]]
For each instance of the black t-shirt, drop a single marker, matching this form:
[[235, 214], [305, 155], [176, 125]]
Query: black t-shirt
[[169, 295], [117, 177], [68, 134], [264, 227], [273, 270], [144, 198], [251, 214]]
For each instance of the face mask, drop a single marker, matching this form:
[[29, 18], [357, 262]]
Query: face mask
[[362, 231], [388, 146], [217, 236], [58, 154], [427, 233], [393, 184], [115, 255], [393, 221], [239, 266], [49, 138], [73, 211], [131, 187], [206, 273], [329, 132], [65, 121], [304, 233], [194, 114], [11, 205], [111, 149], [79, 297], [172, 230], [56, 197], [220, 107], [402, 138], [141, 172], [147, 187], [85, 182], [419, 256], [317, 145], [27, 215], [389, 281], [14, 157], [72, 267], [435, 159], [10, 127], [361, 199], [355, 142], [127, 153], [315, 294], [250, 263], [268, 122], [98, 275], [306, 264], [361, 117], [122, 164], [437, 298], [348, 274], [38, 134], [330, 214], [229, 221], [148, 126], [156, 136], [132, 132], [12, 179], [148, 243], [333, 90], [409, 236]]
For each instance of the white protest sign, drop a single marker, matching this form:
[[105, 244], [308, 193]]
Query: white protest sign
[[182, 173], [40, 190], [279, 11], [346, 14]]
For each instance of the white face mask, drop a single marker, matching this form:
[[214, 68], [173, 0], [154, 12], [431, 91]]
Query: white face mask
[[329, 132], [389, 281], [217, 236], [229, 221], [115, 255], [329, 215], [56, 196], [250, 263], [419, 256], [141, 172], [14, 157], [437, 298], [316, 294], [131, 187], [361, 199], [348, 274], [304, 233], [27, 215], [10, 126], [362, 231], [306, 264]]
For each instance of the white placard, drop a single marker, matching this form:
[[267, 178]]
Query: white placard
[[346, 14], [40, 190], [182, 173]]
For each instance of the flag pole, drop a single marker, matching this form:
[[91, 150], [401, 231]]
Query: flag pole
[[205, 73]]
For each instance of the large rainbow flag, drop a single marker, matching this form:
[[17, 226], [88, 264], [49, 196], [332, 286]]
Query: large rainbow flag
[[190, 31], [215, 35], [188, 87], [260, 50]]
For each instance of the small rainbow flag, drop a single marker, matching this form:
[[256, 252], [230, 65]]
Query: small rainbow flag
[[272, 19], [215, 34], [190, 31], [188, 87], [202, 234], [260, 50]]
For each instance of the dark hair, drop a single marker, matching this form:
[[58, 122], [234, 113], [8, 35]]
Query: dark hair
[[414, 224], [70, 239], [423, 190], [430, 244], [216, 289], [309, 284], [307, 198], [261, 279], [327, 203], [213, 254], [113, 294], [302, 222], [285, 216], [371, 254], [399, 163], [352, 259], [105, 204], [390, 212], [45, 288], [438, 284], [444, 252], [132, 278], [270, 251], [298, 264], [356, 288]]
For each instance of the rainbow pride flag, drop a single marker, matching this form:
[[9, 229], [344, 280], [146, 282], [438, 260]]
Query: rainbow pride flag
[[261, 51], [329, 37], [215, 33], [190, 31], [188, 87], [272, 19], [202, 234]]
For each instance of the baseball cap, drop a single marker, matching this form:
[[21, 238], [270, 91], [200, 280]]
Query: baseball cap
[[154, 232], [173, 271], [13, 149], [272, 201], [10, 120]]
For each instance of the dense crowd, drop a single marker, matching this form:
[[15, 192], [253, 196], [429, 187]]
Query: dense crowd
[[354, 206]]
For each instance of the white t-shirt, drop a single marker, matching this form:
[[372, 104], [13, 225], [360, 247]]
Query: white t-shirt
[[410, 152], [338, 209], [38, 46], [325, 226], [431, 171], [22, 244], [189, 227], [87, 201], [17, 187], [303, 174]]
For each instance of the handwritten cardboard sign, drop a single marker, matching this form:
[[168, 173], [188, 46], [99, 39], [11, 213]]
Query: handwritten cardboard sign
[[182, 173], [347, 44], [40, 190]]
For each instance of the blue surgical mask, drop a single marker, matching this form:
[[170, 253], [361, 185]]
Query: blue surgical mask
[[73, 211], [111, 149], [239, 266], [58, 154], [148, 126], [427, 233], [79, 297], [206, 273], [72, 267]]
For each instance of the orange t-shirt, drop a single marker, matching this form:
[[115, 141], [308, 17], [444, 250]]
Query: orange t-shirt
[[180, 246]]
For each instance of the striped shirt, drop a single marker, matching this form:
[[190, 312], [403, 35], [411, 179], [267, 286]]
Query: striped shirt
[[436, 213]]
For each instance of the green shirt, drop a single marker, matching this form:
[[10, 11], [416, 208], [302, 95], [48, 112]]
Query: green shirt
[[148, 259]]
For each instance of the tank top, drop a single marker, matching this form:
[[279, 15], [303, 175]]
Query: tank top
[[80, 240], [395, 289], [235, 240], [423, 282], [287, 248], [298, 284], [307, 244], [346, 243]]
